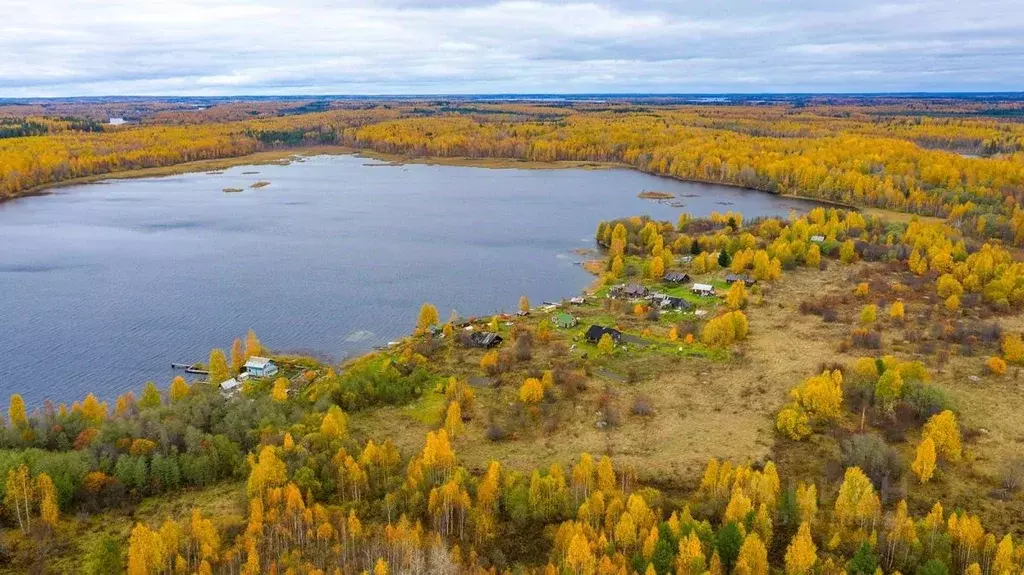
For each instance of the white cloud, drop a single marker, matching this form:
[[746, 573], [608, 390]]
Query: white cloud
[[214, 47]]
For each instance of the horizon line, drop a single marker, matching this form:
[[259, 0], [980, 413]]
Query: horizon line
[[530, 95]]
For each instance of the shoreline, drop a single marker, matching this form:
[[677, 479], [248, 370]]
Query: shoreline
[[278, 156]]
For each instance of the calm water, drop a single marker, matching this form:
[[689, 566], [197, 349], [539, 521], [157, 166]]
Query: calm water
[[103, 285]]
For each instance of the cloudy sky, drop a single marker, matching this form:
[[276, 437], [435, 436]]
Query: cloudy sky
[[228, 47]]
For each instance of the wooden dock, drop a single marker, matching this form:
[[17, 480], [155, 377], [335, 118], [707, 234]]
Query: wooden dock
[[189, 369]]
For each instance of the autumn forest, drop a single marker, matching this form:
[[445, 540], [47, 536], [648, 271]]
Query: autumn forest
[[833, 392]]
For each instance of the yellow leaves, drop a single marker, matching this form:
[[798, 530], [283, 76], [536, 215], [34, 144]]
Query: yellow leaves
[[924, 460], [656, 268], [690, 560], [218, 366], [847, 252], [818, 398], [738, 508], [489, 361], [145, 554], [861, 290], [753, 557], [896, 311], [606, 345], [948, 286], [16, 411], [952, 303], [723, 330], [889, 388], [868, 314], [1003, 564], [238, 357], [812, 258], [334, 424], [1013, 348], [179, 389], [266, 471], [943, 429], [93, 411], [802, 553], [807, 502], [532, 391], [48, 509], [857, 504], [428, 317], [996, 366], [280, 390], [453, 420], [524, 304], [736, 297], [142, 447]]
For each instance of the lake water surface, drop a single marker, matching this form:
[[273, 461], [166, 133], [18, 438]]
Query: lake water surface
[[102, 286]]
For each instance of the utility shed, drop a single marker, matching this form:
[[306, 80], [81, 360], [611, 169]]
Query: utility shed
[[703, 289]]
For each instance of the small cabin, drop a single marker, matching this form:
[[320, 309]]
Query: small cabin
[[672, 303], [703, 289], [632, 290], [596, 332], [485, 339], [229, 387], [733, 278], [676, 278], [564, 320], [260, 367], [578, 300], [818, 239]]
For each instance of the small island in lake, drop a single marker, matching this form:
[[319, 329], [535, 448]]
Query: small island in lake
[[655, 195]]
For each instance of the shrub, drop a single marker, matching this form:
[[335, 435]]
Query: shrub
[[996, 366], [793, 422], [642, 405], [880, 462], [868, 339], [926, 400], [496, 432], [1013, 348], [524, 347], [896, 312], [868, 314], [532, 391], [1013, 474]]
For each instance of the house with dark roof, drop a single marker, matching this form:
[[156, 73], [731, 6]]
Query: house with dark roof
[[485, 339], [676, 278], [630, 290], [733, 278], [595, 332]]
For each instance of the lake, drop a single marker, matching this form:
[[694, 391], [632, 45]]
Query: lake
[[102, 286]]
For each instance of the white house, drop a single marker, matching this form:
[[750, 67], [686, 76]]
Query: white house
[[703, 289], [230, 386], [260, 367], [817, 239]]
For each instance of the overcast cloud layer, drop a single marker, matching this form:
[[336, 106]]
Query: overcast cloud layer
[[227, 47]]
